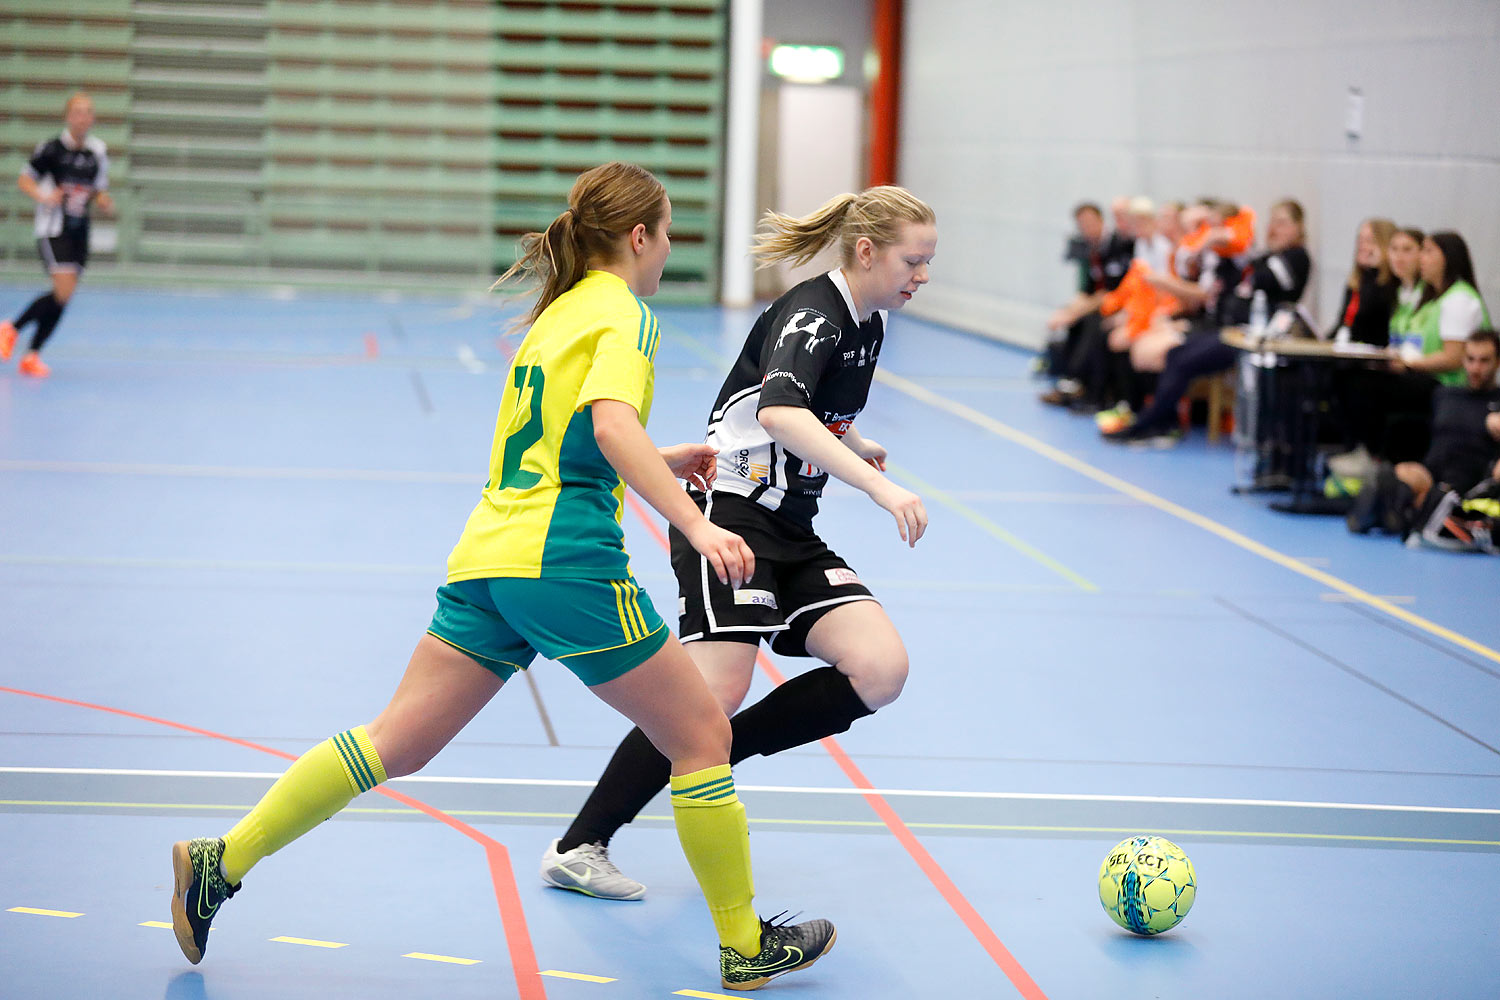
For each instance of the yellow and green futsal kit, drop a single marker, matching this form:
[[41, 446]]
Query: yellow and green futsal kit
[[541, 567]]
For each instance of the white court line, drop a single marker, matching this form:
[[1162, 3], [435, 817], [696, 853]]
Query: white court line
[[112, 562], [808, 790], [234, 472]]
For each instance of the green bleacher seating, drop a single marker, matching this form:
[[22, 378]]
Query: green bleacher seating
[[255, 139]]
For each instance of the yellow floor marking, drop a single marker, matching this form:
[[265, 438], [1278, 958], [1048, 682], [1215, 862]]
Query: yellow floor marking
[[43, 913], [443, 958], [156, 923], [1213, 527], [773, 821], [579, 976], [704, 996], [311, 943], [900, 473]]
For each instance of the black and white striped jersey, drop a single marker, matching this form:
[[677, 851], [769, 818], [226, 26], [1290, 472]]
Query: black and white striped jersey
[[80, 169], [807, 349]]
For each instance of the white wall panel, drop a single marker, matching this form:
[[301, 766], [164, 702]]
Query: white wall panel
[[1014, 110]]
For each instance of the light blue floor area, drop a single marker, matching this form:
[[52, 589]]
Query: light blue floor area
[[230, 512]]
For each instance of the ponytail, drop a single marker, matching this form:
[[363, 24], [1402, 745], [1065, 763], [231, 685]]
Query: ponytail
[[798, 241], [876, 213], [605, 204]]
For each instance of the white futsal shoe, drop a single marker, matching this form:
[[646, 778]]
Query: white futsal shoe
[[587, 869]]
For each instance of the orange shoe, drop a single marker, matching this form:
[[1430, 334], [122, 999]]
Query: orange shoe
[[7, 339], [32, 365]]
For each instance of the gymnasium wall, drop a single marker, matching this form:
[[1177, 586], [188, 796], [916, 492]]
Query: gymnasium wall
[[1014, 110]]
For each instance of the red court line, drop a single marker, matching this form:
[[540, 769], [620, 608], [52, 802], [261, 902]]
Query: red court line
[[934, 872], [507, 895]]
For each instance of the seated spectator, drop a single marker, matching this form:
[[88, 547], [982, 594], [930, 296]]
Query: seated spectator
[[1389, 410], [1464, 452], [1080, 318], [1085, 250], [1355, 467], [1129, 311], [1209, 259], [1370, 293], [1152, 246], [1281, 273], [1359, 391], [1403, 252], [1455, 311]]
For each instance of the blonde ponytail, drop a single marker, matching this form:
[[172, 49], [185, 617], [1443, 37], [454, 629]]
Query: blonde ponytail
[[876, 213]]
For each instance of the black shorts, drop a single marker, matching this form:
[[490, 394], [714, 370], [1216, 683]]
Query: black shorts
[[797, 580], [1461, 471], [66, 252]]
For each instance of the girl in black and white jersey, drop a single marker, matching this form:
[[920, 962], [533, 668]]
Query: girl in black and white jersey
[[64, 176], [783, 423]]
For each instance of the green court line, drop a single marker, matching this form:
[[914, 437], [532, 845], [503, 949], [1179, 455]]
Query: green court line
[[920, 485], [999, 429], [858, 823]]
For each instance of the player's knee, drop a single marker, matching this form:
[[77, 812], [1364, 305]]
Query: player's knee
[[877, 676], [703, 743], [398, 757]]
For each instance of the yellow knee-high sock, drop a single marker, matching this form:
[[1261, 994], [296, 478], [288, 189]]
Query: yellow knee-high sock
[[716, 839], [319, 784]]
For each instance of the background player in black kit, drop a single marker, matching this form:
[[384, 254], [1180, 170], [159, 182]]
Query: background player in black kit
[[63, 176], [782, 424]]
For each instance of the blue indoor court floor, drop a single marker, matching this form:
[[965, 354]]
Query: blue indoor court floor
[[222, 520]]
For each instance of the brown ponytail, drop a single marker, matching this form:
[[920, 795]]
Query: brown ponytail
[[604, 205]]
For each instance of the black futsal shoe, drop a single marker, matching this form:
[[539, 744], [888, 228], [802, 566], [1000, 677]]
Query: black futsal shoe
[[783, 948], [198, 888]]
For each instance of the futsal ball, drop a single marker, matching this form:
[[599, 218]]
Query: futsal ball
[[1147, 885]]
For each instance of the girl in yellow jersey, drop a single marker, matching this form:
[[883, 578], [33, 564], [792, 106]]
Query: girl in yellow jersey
[[541, 568]]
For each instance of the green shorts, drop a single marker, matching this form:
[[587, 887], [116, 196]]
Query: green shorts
[[599, 629]]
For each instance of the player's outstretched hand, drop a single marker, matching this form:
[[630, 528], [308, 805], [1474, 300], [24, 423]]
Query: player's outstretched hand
[[694, 462], [726, 552], [906, 507]]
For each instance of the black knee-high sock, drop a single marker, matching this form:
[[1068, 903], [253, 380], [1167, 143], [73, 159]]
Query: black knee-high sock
[[808, 707], [46, 322], [40, 306]]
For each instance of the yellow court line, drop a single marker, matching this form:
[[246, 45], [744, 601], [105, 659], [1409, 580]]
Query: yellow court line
[[43, 913], [774, 821], [1025, 548], [1018, 828], [1213, 527], [311, 942], [442, 958], [155, 923], [580, 976], [704, 996]]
